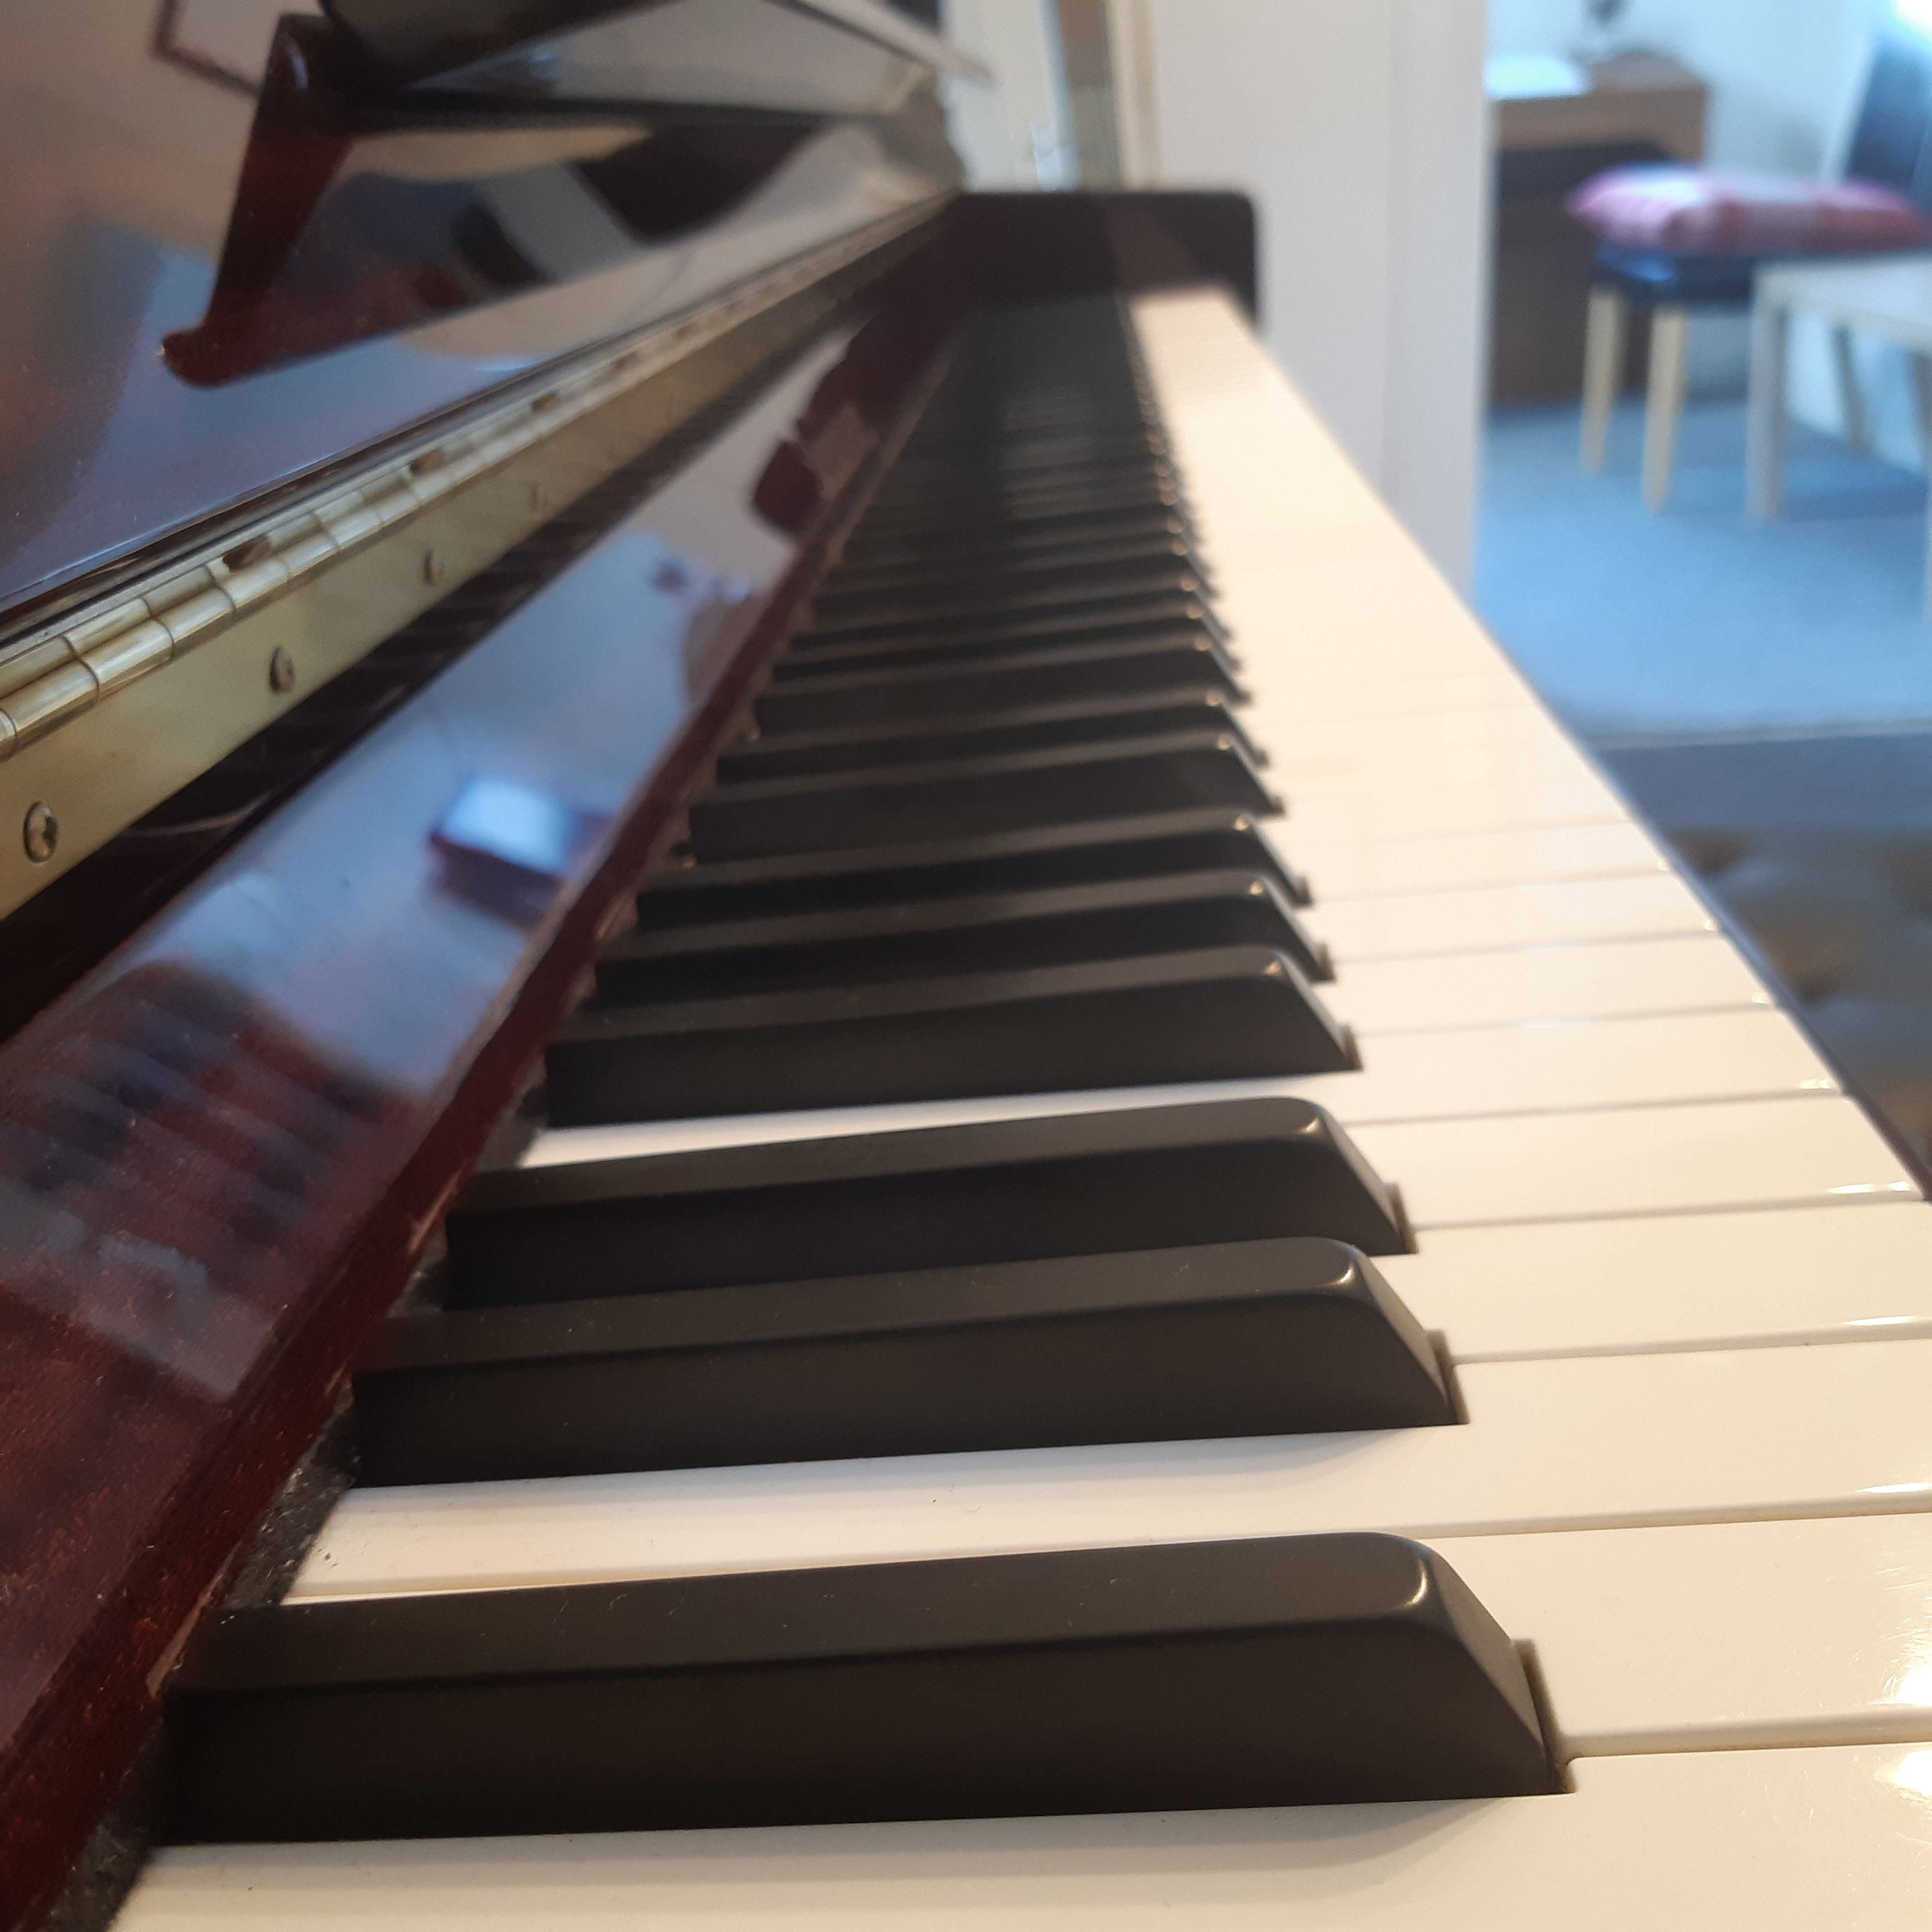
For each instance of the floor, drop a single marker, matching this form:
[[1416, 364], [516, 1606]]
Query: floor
[[1704, 621], [1763, 693]]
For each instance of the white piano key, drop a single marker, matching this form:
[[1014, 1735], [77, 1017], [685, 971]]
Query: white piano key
[[1450, 861], [1262, 472], [1499, 711], [1506, 717], [619, 1140], [1735, 1224], [1299, 642], [1484, 918], [1314, 756], [1369, 773], [1698, 973], [1635, 1160], [1458, 1073], [1857, 1271], [1721, 1636], [1772, 1840], [1503, 803], [1567, 1066], [1681, 1159], [1329, 610], [1311, 634], [1593, 1441], [1388, 701]]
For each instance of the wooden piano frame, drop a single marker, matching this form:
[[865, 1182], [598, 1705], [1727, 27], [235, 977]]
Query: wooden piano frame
[[203, 1215]]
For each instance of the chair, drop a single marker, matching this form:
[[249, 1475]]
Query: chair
[[1889, 147]]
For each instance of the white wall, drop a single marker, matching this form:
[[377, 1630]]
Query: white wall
[[1016, 132], [1359, 126], [1784, 72]]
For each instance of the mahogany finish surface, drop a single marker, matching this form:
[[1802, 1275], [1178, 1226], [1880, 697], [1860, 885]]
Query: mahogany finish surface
[[234, 268], [221, 1152], [219, 1155]]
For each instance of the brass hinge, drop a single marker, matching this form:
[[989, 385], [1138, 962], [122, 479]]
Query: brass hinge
[[92, 735]]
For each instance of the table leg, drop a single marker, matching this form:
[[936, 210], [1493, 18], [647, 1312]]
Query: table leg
[[1765, 416]]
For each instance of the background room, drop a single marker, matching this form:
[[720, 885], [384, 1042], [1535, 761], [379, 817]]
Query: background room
[[1760, 685]]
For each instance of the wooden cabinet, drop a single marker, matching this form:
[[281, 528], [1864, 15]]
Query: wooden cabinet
[[1639, 107]]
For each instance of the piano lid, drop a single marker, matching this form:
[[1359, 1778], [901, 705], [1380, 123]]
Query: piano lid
[[244, 257], [592, 49]]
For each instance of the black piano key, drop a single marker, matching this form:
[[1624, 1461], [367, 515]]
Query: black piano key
[[832, 698], [1289, 1670], [1129, 593], [875, 541], [859, 563], [1217, 839], [1154, 617], [1118, 434], [944, 582], [1229, 1013], [1243, 1338], [1164, 535], [989, 513], [1056, 926], [1095, 451], [1101, 1182], [1016, 490], [990, 507], [1102, 447], [962, 797], [960, 429], [968, 735]]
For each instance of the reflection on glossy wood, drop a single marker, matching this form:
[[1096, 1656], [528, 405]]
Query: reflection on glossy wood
[[217, 1159], [186, 1268], [123, 166]]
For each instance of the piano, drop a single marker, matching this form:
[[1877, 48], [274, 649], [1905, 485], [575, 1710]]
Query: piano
[[817, 1106]]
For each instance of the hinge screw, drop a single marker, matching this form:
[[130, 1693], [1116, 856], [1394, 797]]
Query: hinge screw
[[281, 673], [40, 834]]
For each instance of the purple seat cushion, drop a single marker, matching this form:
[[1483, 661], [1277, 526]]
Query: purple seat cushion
[[1731, 212]]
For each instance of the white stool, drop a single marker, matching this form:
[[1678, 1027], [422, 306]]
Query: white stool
[[1889, 296]]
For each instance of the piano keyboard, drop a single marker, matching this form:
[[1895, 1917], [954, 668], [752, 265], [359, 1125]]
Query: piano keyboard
[[1677, 1281]]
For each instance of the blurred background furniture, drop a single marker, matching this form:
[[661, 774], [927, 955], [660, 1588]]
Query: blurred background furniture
[[1667, 289], [1633, 107], [1890, 299], [1888, 147]]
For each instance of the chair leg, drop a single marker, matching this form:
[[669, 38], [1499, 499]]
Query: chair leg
[[1669, 340], [1767, 418], [1851, 397], [1603, 371]]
